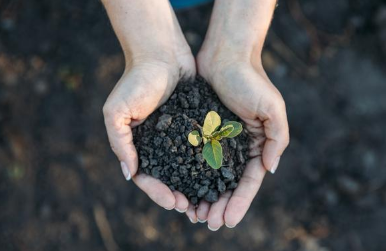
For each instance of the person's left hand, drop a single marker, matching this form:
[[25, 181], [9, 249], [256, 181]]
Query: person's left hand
[[247, 91]]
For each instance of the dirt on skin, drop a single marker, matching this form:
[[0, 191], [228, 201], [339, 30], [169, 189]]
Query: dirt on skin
[[166, 154]]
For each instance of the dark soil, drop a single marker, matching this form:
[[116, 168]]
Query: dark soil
[[166, 154]]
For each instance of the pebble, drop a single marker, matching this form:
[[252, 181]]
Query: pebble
[[211, 196], [183, 170], [180, 160], [227, 173], [182, 149], [144, 163], [196, 186], [175, 179], [167, 142], [232, 143], [221, 186], [157, 141], [164, 122], [241, 157], [232, 185], [194, 102], [202, 191], [153, 162], [178, 141], [163, 108], [156, 172], [199, 158], [205, 182], [184, 102]]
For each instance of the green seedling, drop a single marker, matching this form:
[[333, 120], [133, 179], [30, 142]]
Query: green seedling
[[211, 136]]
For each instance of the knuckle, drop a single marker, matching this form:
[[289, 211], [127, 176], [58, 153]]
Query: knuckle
[[107, 110], [276, 106], [286, 140], [278, 103]]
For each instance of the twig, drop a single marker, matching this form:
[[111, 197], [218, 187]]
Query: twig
[[288, 55], [315, 33], [104, 228]]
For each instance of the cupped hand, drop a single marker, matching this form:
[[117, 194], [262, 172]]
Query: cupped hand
[[142, 88], [246, 90]]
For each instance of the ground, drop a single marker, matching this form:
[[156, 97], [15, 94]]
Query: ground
[[61, 187]]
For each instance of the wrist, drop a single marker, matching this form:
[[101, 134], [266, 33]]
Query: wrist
[[237, 32], [211, 61]]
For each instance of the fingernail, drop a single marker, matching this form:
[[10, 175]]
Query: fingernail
[[181, 211], [229, 226], [201, 221], [192, 221], [169, 208], [213, 229], [275, 165], [125, 171]]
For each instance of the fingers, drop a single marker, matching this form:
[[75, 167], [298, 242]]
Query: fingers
[[243, 195], [191, 213], [202, 211], [182, 202], [121, 139], [156, 190], [217, 210], [277, 134]]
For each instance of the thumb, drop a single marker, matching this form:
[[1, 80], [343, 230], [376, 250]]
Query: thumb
[[121, 140], [277, 137]]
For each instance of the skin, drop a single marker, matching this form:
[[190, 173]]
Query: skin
[[158, 56]]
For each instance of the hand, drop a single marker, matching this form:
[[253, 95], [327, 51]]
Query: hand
[[247, 91], [141, 90], [157, 56], [230, 61]]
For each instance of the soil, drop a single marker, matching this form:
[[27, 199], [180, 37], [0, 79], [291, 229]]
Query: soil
[[166, 154]]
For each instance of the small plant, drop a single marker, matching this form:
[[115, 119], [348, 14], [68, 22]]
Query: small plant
[[211, 135]]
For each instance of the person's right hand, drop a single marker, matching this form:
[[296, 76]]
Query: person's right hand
[[230, 60]]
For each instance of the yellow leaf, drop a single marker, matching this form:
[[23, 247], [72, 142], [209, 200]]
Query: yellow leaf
[[194, 138], [211, 123]]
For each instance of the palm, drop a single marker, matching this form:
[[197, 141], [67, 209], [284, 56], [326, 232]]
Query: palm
[[138, 93]]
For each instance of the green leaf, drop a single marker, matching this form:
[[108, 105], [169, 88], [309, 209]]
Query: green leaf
[[237, 128], [212, 153], [205, 140], [224, 132], [211, 123], [194, 138]]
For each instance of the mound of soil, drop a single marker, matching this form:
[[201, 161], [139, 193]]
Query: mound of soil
[[166, 154]]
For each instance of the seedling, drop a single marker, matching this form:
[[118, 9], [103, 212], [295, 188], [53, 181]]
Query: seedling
[[211, 135]]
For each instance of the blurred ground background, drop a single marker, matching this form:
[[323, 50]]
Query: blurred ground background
[[61, 187]]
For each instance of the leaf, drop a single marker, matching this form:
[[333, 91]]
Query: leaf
[[212, 153], [237, 128], [224, 132], [211, 123], [205, 140], [194, 138]]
